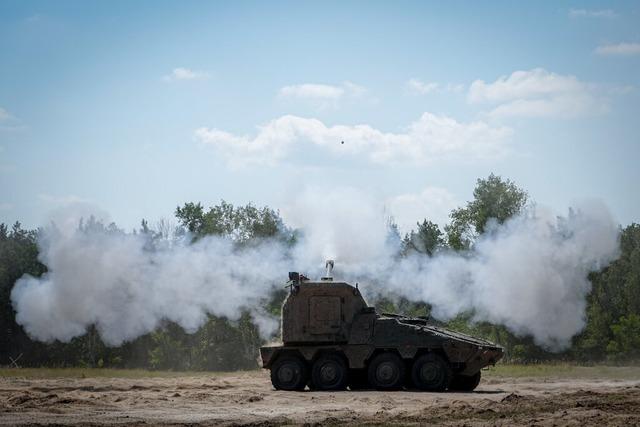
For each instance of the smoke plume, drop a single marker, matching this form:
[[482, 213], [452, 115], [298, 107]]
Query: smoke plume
[[528, 274], [115, 282]]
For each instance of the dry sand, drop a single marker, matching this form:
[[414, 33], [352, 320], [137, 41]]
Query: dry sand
[[248, 399]]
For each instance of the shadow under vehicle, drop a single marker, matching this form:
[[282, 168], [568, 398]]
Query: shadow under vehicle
[[331, 340]]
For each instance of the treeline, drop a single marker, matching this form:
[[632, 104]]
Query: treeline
[[612, 331]]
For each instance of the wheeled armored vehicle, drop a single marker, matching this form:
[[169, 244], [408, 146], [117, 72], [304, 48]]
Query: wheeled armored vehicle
[[331, 340]]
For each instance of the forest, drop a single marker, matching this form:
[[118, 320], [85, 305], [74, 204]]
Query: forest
[[611, 334]]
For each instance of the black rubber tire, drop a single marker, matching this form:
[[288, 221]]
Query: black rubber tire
[[289, 372], [386, 372], [329, 372], [431, 372], [465, 382]]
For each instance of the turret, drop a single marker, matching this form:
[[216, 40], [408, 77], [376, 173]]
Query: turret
[[320, 312]]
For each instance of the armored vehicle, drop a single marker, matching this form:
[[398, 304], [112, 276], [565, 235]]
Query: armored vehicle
[[331, 340]]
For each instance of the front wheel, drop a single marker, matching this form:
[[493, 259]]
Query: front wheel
[[465, 382], [431, 372], [289, 373]]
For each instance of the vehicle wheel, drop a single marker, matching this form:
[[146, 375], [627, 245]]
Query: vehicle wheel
[[465, 382], [431, 372], [329, 372], [386, 372], [289, 373]]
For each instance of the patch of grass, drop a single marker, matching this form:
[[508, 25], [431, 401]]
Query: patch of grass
[[100, 373], [563, 370]]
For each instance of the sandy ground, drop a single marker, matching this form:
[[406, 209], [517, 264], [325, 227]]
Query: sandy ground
[[248, 399]]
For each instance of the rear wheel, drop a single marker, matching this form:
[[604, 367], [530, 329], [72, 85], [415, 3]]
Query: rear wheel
[[465, 382], [329, 372], [431, 372], [386, 372], [289, 373]]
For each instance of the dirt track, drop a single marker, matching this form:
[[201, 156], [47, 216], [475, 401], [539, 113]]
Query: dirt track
[[248, 399]]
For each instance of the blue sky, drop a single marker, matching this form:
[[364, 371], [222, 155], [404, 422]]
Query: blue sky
[[137, 107]]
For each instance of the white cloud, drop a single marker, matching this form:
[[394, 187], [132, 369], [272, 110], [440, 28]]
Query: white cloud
[[587, 13], [523, 84], [430, 137], [10, 123], [454, 87], [619, 49], [312, 91], [322, 95], [185, 74], [433, 203], [419, 87], [4, 114], [538, 93], [354, 90]]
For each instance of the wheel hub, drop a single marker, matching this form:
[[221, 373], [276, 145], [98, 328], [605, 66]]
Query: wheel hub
[[286, 373], [429, 372], [328, 373], [385, 372]]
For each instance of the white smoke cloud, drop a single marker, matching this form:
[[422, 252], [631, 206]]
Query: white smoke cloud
[[529, 274], [343, 224], [113, 281]]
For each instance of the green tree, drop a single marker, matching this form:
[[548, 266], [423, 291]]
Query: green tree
[[18, 255], [615, 296], [242, 224], [493, 198], [170, 349], [427, 239], [625, 343]]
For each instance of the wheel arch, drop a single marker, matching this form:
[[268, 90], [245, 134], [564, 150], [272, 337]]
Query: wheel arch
[[380, 350], [329, 351], [435, 350], [281, 352]]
